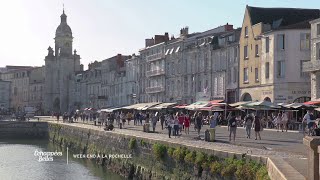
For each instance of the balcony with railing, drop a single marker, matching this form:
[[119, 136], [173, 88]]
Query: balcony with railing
[[155, 72], [155, 57], [155, 89], [311, 66]]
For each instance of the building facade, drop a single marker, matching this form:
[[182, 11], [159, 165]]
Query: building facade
[[36, 89], [113, 81], [225, 58], [61, 65], [313, 67], [5, 94], [151, 67], [271, 54]]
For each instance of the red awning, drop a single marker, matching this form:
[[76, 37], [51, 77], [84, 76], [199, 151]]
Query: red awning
[[216, 102], [181, 106], [316, 102]]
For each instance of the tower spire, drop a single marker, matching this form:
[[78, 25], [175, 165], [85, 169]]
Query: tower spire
[[63, 15]]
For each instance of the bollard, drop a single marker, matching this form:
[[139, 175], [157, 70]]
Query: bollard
[[312, 144], [120, 125]]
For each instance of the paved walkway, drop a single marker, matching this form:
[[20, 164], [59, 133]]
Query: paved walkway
[[285, 145]]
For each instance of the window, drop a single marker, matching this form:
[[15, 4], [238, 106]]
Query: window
[[235, 52], [245, 75], [318, 51], [257, 50], [229, 76], [256, 72], [305, 41], [318, 29], [267, 70], [245, 52], [235, 73], [280, 69], [267, 44], [281, 41], [246, 31], [303, 74]]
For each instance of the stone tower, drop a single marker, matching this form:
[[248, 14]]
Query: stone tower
[[60, 67]]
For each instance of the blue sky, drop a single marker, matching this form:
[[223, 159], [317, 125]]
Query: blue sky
[[104, 28]]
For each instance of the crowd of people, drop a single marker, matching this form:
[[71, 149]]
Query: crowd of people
[[178, 123]]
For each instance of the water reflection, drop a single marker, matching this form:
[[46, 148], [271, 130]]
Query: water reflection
[[17, 161]]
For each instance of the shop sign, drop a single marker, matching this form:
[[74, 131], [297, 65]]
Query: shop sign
[[266, 92], [301, 92]]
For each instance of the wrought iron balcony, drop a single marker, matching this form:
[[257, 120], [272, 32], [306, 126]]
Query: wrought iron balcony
[[311, 66], [156, 72], [155, 89], [155, 57]]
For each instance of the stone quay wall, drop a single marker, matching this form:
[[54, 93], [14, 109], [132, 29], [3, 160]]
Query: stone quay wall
[[23, 130], [148, 159]]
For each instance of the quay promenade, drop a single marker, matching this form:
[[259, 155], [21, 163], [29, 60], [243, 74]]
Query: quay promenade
[[285, 149]]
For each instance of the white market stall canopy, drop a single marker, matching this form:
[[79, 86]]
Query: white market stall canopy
[[197, 105], [240, 103], [109, 110], [141, 106], [162, 106]]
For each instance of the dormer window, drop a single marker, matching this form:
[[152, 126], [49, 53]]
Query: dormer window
[[246, 31]]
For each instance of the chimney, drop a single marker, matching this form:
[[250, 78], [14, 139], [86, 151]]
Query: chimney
[[186, 32], [166, 36], [228, 27]]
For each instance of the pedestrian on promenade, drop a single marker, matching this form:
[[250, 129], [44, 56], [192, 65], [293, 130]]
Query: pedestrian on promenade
[[136, 118], [129, 117], [175, 126], [278, 121], [194, 120], [154, 122], [214, 120], [257, 127], [198, 124], [162, 120], [170, 123], [284, 122], [181, 120], [142, 116], [232, 123], [118, 119], [248, 124], [123, 118], [187, 123], [309, 118]]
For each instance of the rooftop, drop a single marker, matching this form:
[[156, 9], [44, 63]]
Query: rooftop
[[281, 17]]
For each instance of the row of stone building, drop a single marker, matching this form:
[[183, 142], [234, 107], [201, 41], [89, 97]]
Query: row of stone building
[[268, 58]]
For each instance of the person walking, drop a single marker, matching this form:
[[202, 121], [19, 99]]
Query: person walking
[[248, 124], [232, 123], [214, 119], [257, 127], [181, 120], [198, 124], [278, 121], [309, 118], [162, 119], [176, 126], [170, 123], [154, 122], [284, 122], [186, 124]]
